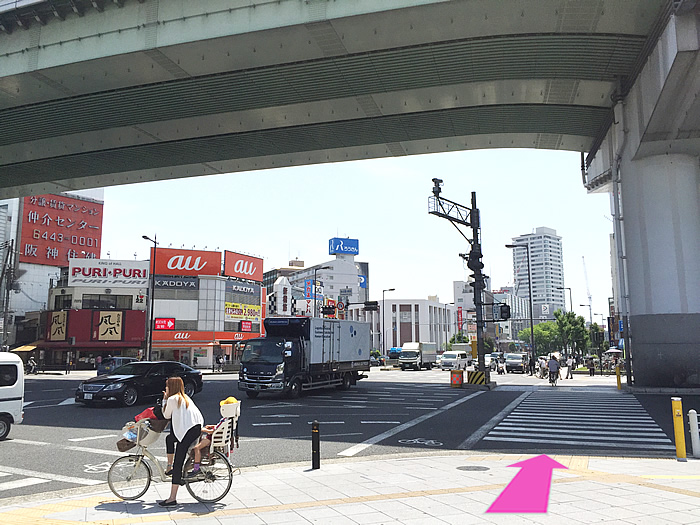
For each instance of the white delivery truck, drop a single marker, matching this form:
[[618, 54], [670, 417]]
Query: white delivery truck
[[464, 355], [304, 353], [11, 392], [418, 355]]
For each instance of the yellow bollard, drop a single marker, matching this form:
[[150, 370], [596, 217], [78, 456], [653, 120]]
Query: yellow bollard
[[678, 428], [619, 381]]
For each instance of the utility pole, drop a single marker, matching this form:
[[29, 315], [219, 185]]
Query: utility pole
[[458, 214], [7, 278]]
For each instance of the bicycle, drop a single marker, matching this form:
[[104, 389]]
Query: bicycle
[[130, 476], [553, 376]]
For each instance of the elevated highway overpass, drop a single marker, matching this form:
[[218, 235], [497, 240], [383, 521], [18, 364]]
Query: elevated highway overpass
[[97, 93]]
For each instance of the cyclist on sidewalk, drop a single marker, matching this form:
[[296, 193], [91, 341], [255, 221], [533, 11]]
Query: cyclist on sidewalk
[[553, 366]]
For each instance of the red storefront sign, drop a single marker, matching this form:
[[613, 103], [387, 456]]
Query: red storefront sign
[[246, 326], [243, 266], [56, 228], [168, 338], [164, 323], [170, 261]]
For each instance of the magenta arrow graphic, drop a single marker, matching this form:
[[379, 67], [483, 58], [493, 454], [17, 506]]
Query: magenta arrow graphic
[[528, 491]]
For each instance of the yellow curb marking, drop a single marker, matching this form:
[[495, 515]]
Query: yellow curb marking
[[578, 466]]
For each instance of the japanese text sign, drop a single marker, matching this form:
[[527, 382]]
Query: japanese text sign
[[57, 326], [57, 228], [110, 326]]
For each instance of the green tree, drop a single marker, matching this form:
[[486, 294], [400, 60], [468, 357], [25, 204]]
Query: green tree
[[547, 338], [488, 345], [512, 347], [459, 337], [580, 339], [566, 323]]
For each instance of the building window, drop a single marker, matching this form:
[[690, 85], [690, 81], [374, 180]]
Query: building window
[[104, 301], [62, 302]]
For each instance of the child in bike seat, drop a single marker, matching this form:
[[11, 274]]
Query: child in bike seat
[[205, 438]]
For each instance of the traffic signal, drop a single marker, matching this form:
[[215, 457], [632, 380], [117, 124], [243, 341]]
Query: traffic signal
[[479, 281], [474, 261], [505, 312], [371, 306]]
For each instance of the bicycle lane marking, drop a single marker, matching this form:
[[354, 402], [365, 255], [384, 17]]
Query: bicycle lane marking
[[393, 431]]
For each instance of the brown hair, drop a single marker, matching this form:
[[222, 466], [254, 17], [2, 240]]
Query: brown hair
[[177, 388]]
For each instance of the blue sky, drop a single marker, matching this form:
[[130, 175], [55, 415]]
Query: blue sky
[[292, 212]]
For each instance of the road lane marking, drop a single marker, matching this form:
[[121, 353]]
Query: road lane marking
[[380, 422], [328, 422], [272, 424], [51, 477], [69, 401], [95, 451], [488, 426], [393, 431], [25, 482], [28, 442], [27, 403], [94, 437], [280, 415]]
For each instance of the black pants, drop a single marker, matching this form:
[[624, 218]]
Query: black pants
[[181, 449]]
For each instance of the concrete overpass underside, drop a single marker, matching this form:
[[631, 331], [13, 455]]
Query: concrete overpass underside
[[96, 93], [156, 90]]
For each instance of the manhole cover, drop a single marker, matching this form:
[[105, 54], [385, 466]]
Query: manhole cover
[[472, 468]]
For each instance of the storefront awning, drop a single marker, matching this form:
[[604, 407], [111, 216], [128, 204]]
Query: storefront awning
[[25, 348]]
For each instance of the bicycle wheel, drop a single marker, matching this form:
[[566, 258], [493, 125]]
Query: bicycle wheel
[[129, 477], [214, 480]]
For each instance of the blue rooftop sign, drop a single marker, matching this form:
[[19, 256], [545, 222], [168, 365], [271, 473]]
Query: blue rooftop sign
[[345, 246]]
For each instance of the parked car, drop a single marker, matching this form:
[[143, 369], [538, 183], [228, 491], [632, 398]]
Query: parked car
[[109, 364], [516, 363], [454, 360], [136, 381]]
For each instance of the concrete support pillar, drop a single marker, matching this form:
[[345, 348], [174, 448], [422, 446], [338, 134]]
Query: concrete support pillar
[[661, 220]]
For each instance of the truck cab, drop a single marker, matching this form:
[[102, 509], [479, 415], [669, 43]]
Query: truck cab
[[304, 353]]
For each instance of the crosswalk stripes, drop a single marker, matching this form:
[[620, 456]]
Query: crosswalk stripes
[[581, 419]]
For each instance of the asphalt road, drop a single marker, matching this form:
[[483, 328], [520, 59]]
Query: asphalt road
[[66, 445]]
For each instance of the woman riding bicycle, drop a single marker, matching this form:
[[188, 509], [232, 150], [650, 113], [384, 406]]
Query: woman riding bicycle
[[553, 366], [186, 422]]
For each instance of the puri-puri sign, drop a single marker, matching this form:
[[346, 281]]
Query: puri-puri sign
[[107, 272]]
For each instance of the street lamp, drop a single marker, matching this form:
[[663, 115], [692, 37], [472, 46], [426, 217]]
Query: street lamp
[[529, 287], [315, 296], [602, 321], [590, 312], [152, 271], [383, 319], [571, 302]]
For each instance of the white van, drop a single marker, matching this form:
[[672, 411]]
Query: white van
[[11, 392], [454, 360]]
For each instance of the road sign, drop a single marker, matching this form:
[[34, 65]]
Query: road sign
[[165, 323], [340, 305]]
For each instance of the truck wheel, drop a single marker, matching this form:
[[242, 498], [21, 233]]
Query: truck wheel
[[430, 366], [295, 388], [4, 427], [347, 382], [251, 395]]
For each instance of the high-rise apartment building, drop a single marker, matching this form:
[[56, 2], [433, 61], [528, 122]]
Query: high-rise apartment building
[[547, 268]]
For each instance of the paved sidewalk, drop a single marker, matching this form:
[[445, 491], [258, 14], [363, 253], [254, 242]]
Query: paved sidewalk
[[453, 489]]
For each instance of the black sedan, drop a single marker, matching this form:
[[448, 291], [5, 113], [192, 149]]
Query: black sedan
[[135, 381]]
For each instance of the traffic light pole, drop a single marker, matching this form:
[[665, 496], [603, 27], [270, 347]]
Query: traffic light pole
[[458, 214]]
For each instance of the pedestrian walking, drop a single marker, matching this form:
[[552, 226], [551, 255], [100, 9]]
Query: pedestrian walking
[[219, 363], [543, 367], [531, 364], [591, 367], [569, 367]]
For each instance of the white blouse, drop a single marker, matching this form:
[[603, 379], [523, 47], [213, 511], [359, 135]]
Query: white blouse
[[182, 417]]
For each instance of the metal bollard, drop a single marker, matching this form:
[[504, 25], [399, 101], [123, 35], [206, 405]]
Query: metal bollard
[[315, 446], [677, 409], [694, 433]]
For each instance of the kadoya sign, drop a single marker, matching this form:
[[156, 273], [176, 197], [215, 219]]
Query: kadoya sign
[[243, 266], [171, 261], [107, 272]]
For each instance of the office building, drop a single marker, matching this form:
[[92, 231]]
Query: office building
[[547, 268]]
